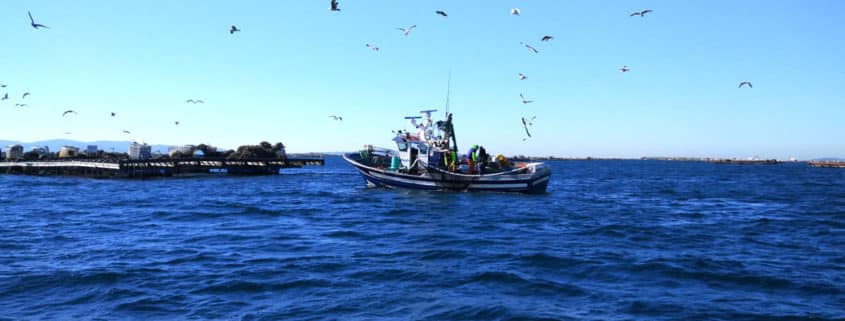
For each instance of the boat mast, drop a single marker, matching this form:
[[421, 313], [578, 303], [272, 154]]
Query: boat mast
[[454, 145], [448, 89]]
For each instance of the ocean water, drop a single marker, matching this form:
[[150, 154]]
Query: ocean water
[[611, 240]]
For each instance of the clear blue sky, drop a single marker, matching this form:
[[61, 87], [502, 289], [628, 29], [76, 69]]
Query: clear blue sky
[[295, 63]]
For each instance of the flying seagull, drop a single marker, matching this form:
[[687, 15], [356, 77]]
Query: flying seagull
[[24, 95], [407, 31], [195, 101], [522, 76], [373, 47], [333, 6], [525, 101], [745, 83], [6, 96], [2, 85], [33, 24], [234, 29], [525, 124], [113, 114], [20, 105], [126, 132], [339, 118], [515, 11], [532, 49], [641, 13], [624, 69], [442, 13], [176, 123], [546, 38], [69, 111]]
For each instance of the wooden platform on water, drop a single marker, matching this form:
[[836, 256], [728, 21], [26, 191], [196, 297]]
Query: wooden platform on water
[[745, 162], [833, 164], [107, 168]]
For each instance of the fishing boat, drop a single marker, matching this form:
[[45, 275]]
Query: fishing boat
[[425, 161]]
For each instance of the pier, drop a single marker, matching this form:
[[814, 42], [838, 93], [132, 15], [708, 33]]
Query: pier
[[833, 164], [110, 168]]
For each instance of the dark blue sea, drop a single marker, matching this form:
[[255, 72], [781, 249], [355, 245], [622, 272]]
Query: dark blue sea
[[611, 240]]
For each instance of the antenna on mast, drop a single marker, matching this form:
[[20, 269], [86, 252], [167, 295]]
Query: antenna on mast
[[448, 90]]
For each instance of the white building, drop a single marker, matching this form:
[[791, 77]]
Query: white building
[[68, 152], [14, 152], [140, 151], [186, 150]]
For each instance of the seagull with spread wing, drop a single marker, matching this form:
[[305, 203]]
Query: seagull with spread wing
[[530, 48], [442, 13], [745, 83], [525, 101], [641, 13], [406, 31], [33, 24], [234, 29], [522, 76], [333, 6], [335, 117], [69, 111]]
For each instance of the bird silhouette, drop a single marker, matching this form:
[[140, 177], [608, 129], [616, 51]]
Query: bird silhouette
[[6, 96], [546, 38], [333, 5], [33, 24], [530, 48], [20, 105], [113, 114], [442, 13], [195, 101], [24, 95], [525, 101], [522, 76], [338, 118], [234, 29], [126, 132], [69, 111], [515, 11], [525, 124], [641, 13], [373, 47], [176, 123], [745, 83], [624, 69], [407, 31], [2, 85]]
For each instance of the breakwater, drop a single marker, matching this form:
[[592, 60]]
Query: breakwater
[[110, 168]]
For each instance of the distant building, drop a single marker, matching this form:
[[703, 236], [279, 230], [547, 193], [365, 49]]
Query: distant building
[[140, 151], [186, 150], [14, 152], [2, 154], [68, 152], [91, 150], [42, 152]]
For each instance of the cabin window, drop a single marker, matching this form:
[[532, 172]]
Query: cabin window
[[423, 148], [402, 146]]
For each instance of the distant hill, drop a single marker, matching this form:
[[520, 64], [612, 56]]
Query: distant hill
[[55, 144]]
